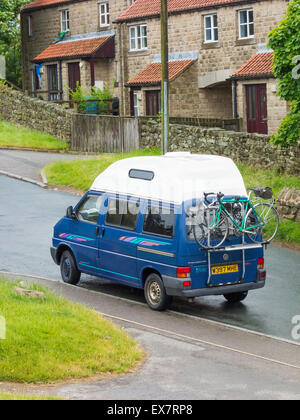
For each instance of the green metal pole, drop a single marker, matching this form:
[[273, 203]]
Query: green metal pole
[[164, 75]]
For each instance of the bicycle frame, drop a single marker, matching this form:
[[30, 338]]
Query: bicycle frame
[[248, 206]]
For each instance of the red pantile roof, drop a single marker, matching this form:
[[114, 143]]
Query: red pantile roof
[[151, 75], [80, 48], [144, 8], [43, 3], [257, 66]]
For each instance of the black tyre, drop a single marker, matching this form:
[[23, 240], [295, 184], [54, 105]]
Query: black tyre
[[236, 297], [263, 214], [213, 231], [155, 293], [69, 272]]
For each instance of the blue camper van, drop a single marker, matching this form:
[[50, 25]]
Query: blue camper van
[[133, 227]]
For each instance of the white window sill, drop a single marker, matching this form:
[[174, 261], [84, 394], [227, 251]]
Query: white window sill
[[210, 42], [141, 50], [246, 37]]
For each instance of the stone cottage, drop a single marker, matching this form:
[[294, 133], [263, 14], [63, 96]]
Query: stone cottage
[[219, 64]]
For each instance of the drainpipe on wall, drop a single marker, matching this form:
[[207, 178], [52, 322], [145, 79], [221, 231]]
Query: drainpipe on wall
[[92, 66], [122, 69], [235, 110], [60, 81]]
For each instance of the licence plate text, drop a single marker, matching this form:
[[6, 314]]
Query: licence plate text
[[225, 269]]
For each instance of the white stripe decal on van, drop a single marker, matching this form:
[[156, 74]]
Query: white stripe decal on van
[[155, 251]]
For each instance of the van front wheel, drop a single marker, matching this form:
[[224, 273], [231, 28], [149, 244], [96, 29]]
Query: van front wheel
[[68, 269], [155, 293]]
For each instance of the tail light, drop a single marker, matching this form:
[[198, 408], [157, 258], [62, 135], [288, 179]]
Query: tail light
[[183, 272], [261, 263]]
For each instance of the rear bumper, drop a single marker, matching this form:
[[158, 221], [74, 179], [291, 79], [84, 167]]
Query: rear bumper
[[174, 287]]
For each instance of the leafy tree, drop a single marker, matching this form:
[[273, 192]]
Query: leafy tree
[[10, 38], [285, 41]]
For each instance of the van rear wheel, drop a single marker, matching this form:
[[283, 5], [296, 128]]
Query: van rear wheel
[[236, 297], [155, 293], [69, 272]]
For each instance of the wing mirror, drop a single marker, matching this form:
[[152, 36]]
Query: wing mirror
[[71, 214]]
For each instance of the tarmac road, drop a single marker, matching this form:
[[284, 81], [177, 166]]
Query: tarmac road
[[28, 214]]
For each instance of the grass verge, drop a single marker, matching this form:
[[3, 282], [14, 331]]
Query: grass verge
[[16, 136], [54, 340], [13, 397], [80, 174]]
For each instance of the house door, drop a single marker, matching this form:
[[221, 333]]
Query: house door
[[153, 102], [257, 114], [74, 76]]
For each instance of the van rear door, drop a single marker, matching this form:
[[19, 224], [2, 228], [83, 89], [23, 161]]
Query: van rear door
[[117, 249], [235, 263]]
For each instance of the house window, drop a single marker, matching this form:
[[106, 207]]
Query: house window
[[138, 37], [135, 104], [211, 28], [65, 20], [104, 14], [52, 82], [29, 22], [246, 24]]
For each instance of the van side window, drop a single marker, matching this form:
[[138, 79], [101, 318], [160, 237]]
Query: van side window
[[159, 221], [122, 213], [89, 209]]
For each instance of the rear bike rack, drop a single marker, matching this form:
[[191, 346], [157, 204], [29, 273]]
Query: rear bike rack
[[239, 247]]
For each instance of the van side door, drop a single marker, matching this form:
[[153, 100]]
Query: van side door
[[117, 247], [82, 233]]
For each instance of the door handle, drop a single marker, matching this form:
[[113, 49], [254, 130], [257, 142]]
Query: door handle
[[97, 231], [103, 232]]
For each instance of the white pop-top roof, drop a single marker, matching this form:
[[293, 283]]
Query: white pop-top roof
[[178, 177]]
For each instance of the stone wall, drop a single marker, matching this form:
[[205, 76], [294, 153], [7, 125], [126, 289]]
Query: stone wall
[[253, 149], [35, 114], [289, 204]]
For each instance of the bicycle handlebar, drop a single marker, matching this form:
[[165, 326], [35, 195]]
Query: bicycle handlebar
[[219, 196]]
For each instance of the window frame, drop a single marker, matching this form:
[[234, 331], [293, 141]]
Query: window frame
[[65, 20], [82, 203], [137, 37], [140, 177], [119, 226], [157, 234], [30, 26], [136, 109], [212, 28], [52, 76], [247, 24], [106, 15]]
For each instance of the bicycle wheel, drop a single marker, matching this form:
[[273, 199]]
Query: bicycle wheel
[[212, 231], [265, 221]]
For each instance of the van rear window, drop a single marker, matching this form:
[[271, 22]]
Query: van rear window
[[160, 222], [140, 174]]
